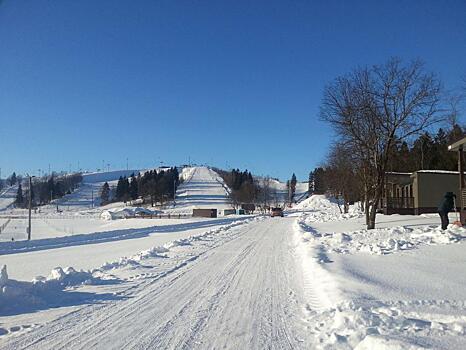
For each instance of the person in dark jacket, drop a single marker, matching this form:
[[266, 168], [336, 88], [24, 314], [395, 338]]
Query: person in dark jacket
[[445, 207]]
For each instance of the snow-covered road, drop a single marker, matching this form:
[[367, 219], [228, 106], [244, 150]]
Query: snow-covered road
[[240, 291]]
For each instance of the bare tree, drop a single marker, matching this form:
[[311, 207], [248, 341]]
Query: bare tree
[[371, 108], [265, 193], [341, 175]]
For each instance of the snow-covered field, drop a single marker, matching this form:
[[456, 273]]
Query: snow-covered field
[[400, 286], [314, 279]]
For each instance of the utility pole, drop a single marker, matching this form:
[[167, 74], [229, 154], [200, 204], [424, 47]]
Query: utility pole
[[92, 202], [127, 168], [30, 207]]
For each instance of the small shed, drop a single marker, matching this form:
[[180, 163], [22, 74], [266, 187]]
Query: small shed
[[248, 207], [460, 148], [229, 212], [205, 213]]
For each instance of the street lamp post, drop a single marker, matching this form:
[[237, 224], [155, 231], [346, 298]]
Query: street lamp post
[[30, 206]]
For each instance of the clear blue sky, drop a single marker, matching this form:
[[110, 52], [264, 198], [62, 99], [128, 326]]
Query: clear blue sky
[[229, 83]]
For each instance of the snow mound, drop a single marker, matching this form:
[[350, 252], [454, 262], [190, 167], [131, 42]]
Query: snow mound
[[319, 208], [383, 240], [16, 296], [392, 325], [317, 202]]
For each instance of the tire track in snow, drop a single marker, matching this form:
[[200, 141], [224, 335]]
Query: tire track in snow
[[241, 292]]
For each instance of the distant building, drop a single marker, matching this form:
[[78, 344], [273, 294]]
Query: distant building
[[419, 192], [205, 213]]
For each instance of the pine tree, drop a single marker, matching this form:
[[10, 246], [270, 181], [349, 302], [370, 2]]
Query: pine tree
[[105, 194], [293, 183], [119, 189], [125, 189], [13, 179], [19, 197], [133, 188], [320, 186], [311, 183]]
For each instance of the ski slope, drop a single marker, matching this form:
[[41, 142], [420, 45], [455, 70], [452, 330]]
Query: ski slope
[[88, 193], [7, 197], [280, 191], [202, 188]]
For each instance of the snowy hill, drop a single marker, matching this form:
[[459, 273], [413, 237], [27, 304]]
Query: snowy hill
[[89, 189], [281, 190], [202, 188], [7, 196]]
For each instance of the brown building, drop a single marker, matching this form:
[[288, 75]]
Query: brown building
[[419, 192], [205, 213]]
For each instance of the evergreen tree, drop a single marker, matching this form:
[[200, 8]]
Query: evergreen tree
[[105, 194], [320, 186], [125, 189], [13, 179], [19, 197], [293, 183], [119, 189], [311, 183], [133, 188]]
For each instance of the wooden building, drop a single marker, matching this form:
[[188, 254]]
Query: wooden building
[[419, 192], [460, 147]]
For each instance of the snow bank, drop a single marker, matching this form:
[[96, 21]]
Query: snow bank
[[383, 240], [319, 208], [17, 296], [365, 324]]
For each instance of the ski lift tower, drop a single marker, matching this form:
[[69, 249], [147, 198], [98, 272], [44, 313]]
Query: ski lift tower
[[460, 148]]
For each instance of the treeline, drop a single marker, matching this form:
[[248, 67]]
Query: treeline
[[376, 113], [339, 177], [44, 190], [427, 152], [243, 188], [154, 186]]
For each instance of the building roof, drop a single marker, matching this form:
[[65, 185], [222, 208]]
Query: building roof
[[457, 145], [397, 173], [438, 172]]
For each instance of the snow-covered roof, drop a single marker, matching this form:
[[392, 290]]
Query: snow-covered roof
[[438, 172], [396, 173], [457, 145]]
